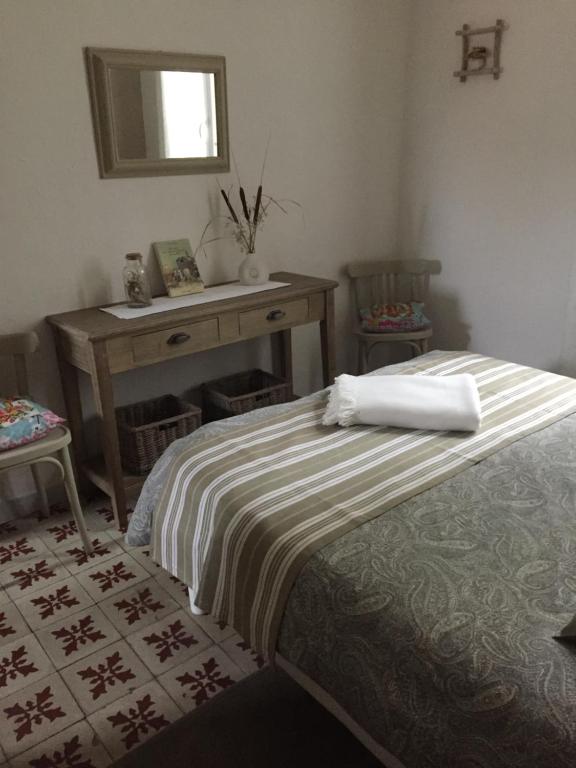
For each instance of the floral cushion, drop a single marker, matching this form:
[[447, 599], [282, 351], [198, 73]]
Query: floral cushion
[[394, 318], [22, 421]]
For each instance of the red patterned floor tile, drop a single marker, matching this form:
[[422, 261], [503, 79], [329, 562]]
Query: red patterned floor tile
[[20, 549], [58, 530], [32, 575], [74, 557], [78, 636], [169, 642], [54, 603], [100, 518], [174, 587], [105, 676], [105, 579], [132, 720], [201, 678], [35, 713], [75, 747], [12, 624], [142, 556], [242, 655], [138, 606], [8, 528], [22, 663], [11, 529], [217, 630]]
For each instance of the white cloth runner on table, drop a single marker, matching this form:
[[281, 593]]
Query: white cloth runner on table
[[411, 402]]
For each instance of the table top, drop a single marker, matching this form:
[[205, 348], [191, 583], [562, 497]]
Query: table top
[[94, 325]]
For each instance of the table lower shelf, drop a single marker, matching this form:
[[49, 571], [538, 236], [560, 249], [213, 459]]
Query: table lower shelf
[[95, 470]]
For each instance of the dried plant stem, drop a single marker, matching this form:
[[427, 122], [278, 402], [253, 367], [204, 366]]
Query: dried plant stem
[[257, 205], [244, 205], [232, 211]]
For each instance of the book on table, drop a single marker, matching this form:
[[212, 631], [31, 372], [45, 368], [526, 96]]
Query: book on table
[[178, 267]]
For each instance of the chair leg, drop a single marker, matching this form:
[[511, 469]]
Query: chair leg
[[415, 348], [75, 506], [362, 357], [41, 490], [424, 346]]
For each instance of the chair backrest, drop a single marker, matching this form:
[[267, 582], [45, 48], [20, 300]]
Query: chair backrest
[[390, 281], [17, 346]]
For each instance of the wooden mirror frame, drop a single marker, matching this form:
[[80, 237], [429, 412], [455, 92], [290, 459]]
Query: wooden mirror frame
[[99, 62]]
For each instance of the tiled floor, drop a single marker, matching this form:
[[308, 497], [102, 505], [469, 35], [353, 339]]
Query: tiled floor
[[97, 653]]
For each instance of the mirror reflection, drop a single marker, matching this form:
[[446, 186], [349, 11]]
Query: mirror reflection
[[157, 113], [162, 114]]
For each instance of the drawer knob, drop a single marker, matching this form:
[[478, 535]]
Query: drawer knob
[[276, 314], [178, 338]]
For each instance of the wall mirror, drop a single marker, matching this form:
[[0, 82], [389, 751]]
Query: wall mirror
[[157, 113]]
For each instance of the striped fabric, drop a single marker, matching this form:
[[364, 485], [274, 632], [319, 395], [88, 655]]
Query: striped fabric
[[238, 518]]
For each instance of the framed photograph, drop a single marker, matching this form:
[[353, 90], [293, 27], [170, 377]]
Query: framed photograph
[[178, 267]]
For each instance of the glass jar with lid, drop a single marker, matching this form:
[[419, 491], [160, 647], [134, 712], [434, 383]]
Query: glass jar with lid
[[136, 285]]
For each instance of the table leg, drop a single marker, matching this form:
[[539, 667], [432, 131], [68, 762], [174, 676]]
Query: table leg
[[73, 402], [327, 339], [282, 355], [104, 401]]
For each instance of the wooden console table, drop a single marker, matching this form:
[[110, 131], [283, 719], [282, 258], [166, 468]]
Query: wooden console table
[[102, 345]]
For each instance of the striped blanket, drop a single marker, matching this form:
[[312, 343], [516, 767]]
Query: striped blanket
[[239, 517]]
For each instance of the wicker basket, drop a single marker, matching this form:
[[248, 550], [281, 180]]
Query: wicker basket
[[147, 428], [243, 392]]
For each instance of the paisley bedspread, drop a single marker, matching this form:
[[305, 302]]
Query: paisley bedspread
[[433, 624]]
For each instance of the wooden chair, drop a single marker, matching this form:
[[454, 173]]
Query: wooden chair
[[52, 448], [400, 280]]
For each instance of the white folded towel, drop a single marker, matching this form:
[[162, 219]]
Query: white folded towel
[[413, 402]]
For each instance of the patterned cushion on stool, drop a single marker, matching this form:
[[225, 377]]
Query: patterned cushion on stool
[[23, 421]]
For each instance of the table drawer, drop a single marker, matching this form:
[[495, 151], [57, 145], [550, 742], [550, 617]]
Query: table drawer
[[272, 318], [173, 342]]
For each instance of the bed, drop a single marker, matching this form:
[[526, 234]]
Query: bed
[[428, 626]]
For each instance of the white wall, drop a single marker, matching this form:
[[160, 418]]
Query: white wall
[[490, 179], [325, 79]]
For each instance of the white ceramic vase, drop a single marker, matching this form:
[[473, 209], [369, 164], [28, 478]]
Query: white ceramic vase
[[253, 270]]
